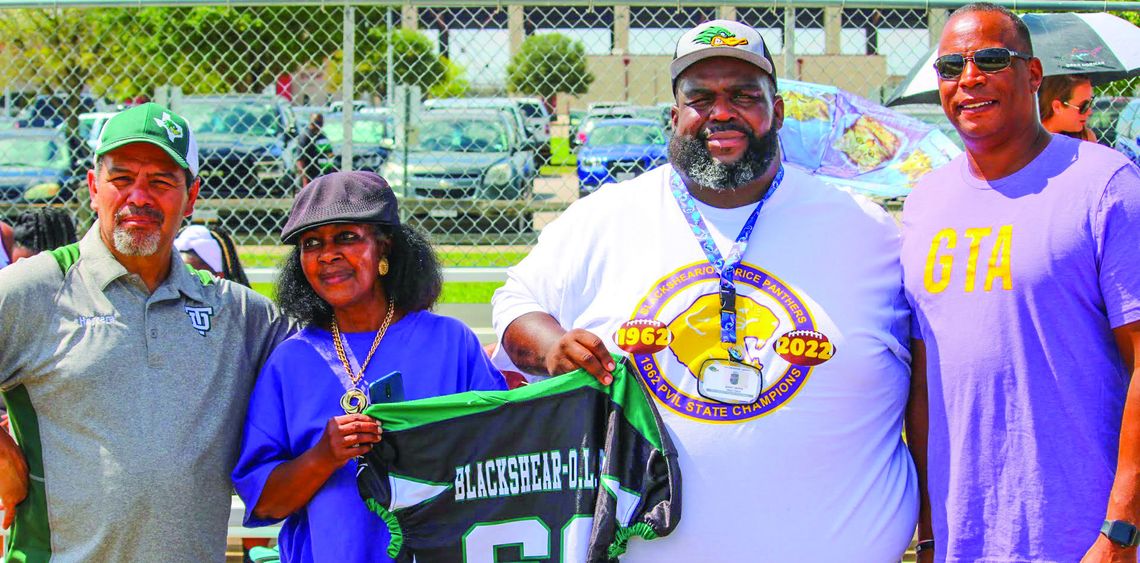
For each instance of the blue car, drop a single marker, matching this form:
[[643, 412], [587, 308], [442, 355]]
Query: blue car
[[619, 149]]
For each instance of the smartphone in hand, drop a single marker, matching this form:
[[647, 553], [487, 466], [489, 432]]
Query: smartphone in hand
[[387, 389]]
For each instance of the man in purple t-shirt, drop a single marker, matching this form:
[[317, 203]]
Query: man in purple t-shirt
[[1021, 261]]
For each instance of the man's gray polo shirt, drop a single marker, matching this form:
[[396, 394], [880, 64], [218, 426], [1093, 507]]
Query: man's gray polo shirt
[[128, 405]]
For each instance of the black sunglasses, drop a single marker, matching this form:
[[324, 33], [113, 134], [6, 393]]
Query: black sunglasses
[[991, 60], [1084, 107]]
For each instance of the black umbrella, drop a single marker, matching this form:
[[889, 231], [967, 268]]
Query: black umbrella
[[1101, 45]]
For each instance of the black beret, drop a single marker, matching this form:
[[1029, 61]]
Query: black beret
[[341, 197]]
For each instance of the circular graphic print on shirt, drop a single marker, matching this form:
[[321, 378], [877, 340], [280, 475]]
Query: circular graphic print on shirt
[[776, 334]]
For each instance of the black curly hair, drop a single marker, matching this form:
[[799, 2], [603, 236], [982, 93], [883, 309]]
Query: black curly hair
[[43, 229], [413, 283]]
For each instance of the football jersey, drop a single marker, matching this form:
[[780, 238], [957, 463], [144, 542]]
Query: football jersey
[[562, 470]]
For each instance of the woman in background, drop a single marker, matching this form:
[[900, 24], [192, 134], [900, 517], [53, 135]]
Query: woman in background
[[1065, 103], [211, 250], [33, 232]]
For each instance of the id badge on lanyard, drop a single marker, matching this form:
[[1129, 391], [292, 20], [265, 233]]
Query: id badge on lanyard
[[725, 380]]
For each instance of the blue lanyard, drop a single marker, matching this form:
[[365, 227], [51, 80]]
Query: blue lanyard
[[726, 268]]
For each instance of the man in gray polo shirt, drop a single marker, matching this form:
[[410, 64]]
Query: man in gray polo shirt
[[126, 374]]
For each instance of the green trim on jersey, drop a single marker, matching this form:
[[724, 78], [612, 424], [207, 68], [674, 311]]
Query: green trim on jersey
[[203, 276], [30, 538], [635, 407], [623, 535], [66, 256], [411, 414], [394, 529]]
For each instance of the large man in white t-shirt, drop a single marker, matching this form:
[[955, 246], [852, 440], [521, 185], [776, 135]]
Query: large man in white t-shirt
[[764, 312]]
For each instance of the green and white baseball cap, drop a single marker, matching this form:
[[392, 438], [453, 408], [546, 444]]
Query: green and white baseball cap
[[154, 124], [721, 38]]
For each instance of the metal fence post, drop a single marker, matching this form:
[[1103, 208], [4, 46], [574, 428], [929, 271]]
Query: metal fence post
[[790, 42], [347, 84], [390, 76]]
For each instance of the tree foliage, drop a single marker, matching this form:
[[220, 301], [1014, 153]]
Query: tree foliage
[[454, 83], [414, 62], [127, 52], [549, 64]]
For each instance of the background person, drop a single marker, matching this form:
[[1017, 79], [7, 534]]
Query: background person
[[212, 250], [309, 149], [43, 229], [7, 241], [1065, 103], [362, 285]]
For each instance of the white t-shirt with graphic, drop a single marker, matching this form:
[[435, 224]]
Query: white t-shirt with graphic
[[815, 469]]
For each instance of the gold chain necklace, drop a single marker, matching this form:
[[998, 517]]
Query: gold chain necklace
[[354, 400]]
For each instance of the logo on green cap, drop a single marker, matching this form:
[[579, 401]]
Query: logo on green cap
[[173, 130], [717, 36]]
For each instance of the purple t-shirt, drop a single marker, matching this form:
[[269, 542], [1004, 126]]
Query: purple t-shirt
[[297, 393], [1017, 285]]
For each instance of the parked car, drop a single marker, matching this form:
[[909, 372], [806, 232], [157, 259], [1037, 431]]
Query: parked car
[[537, 140], [1105, 113], [357, 105], [48, 110], [457, 161], [596, 106], [247, 144], [91, 125], [1127, 133], [619, 149], [373, 136], [593, 117], [36, 165]]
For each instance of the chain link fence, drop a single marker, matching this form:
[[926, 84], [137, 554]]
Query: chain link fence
[[488, 120]]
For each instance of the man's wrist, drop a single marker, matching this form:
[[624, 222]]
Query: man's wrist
[[1121, 533], [923, 546]]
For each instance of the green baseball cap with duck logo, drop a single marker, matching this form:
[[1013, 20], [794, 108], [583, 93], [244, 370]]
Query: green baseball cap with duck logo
[[154, 124], [721, 38]]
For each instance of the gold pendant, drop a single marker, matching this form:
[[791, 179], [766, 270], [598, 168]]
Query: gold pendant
[[353, 401]]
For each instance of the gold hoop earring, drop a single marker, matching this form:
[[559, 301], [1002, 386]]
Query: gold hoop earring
[[383, 267]]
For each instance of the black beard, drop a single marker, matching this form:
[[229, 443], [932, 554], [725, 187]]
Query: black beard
[[691, 157]]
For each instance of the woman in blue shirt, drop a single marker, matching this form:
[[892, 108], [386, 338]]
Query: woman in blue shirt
[[361, 285]]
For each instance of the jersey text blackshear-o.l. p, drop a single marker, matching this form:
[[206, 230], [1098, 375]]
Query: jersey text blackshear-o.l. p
[[561, 470]]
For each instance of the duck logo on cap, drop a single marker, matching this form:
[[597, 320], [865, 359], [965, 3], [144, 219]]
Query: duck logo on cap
[[717, 36], [173, 130]]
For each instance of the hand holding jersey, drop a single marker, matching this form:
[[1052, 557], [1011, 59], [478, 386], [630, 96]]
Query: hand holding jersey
[[541, 346], [345, 437], [568, 489]]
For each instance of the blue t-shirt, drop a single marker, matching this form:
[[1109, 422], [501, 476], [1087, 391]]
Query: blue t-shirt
[[297, 393]]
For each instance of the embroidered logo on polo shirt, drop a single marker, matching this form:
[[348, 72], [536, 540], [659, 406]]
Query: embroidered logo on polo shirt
[[95, 320], [200, 318]]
